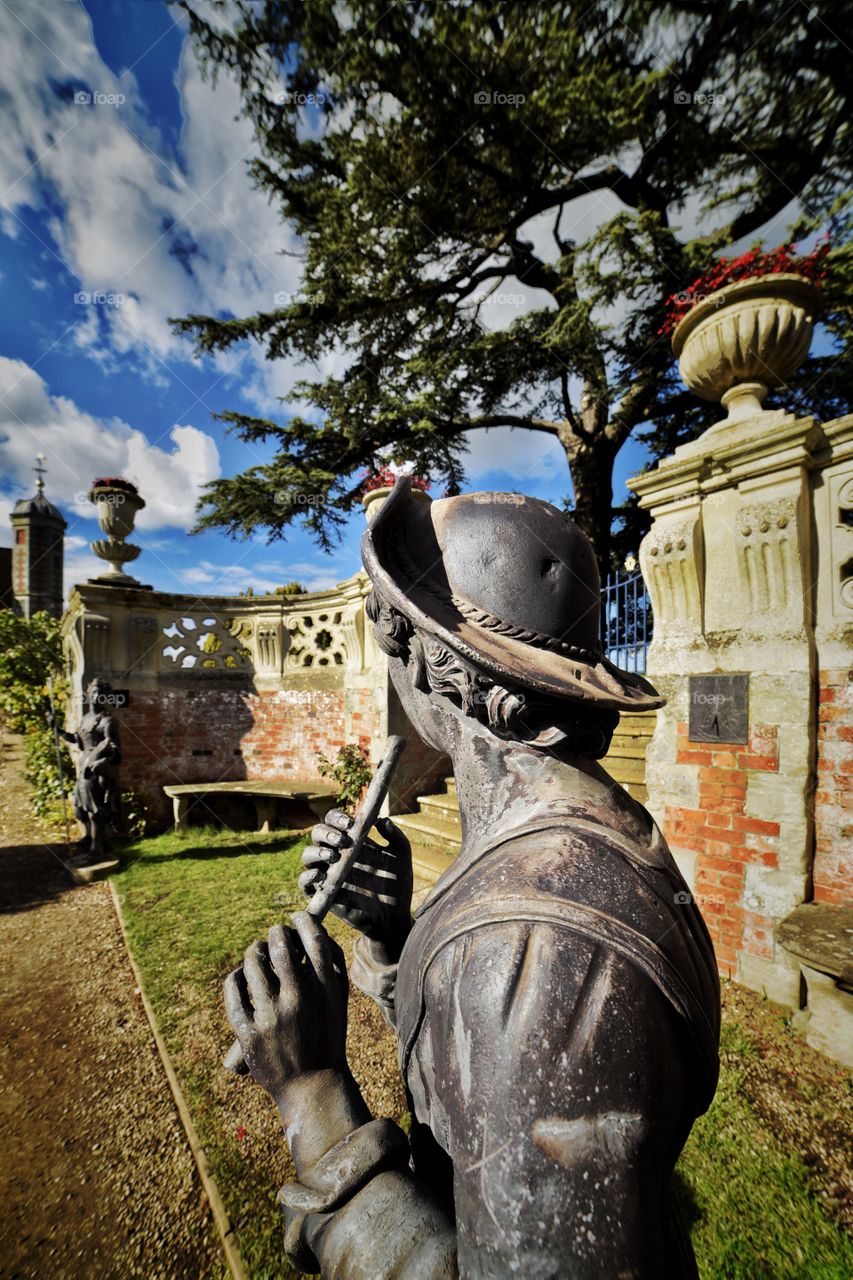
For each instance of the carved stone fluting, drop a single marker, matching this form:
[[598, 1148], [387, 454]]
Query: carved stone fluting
[[268, 647], [96, 642], [352, 632], [768, 552], [671, 559], [745, 338]]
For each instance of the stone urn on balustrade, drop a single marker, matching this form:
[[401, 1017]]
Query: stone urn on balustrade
[[373, 499], [116, 502], [745, 339]]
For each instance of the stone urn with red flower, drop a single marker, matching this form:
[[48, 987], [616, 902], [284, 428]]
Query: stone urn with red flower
[[379, 484], [746, 325], [117, 502]]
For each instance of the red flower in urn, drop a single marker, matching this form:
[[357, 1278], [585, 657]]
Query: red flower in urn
[[386, 478], [781, 260], [114, 482]]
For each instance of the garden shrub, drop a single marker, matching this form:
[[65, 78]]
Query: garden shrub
[[30, 655]]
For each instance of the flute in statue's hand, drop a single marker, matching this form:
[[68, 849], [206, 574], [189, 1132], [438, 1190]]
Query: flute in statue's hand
[[334, 872]]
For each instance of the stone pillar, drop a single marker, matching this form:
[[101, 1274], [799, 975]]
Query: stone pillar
[[833, 521], [732, 563]]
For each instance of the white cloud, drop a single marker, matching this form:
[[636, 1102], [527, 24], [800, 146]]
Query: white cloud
[[525, 455], [79, 567], [6, 505], [265, 576], [75, 442], [169, 232]]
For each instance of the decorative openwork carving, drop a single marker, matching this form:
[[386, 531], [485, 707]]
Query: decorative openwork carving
[[317, 639], [671, 558], [769, 555], [204, 642]]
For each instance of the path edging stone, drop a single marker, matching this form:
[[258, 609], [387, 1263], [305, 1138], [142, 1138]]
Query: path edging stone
[[227, 1234]]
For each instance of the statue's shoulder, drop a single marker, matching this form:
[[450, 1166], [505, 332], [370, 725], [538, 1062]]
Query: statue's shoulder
[[593, 882]]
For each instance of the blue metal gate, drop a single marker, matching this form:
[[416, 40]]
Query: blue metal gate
[[626, 620]]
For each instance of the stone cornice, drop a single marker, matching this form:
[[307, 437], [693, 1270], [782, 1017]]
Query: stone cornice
[[729, 453]]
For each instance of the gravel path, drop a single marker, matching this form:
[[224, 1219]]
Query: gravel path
[[97, 1177]]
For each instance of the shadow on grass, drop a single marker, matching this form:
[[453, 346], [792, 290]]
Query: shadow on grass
[[154, 852]]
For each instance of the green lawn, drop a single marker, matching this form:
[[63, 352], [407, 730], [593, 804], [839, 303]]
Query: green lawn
[[192, 902]]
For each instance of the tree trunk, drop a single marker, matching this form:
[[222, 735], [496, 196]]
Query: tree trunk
[[591, 465]]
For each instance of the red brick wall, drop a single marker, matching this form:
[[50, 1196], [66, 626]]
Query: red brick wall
[[725, 840], [189, 735], [833, 863]]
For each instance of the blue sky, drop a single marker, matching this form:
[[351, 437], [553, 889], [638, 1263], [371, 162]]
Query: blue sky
[[124, 200]]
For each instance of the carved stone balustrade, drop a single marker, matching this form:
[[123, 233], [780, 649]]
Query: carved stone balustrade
[[224, 688]]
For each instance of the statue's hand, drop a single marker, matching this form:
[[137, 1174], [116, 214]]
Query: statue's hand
[[376, 897], [288, 1006]]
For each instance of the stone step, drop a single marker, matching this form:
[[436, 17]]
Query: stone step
[[636, 790], [429, 861], [628, 748], [419, 826], [637, 722], [624, 770], [631, 735], [444, 807]]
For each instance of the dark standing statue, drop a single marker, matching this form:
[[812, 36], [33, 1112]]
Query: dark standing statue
[[96, 793], [556, 998]]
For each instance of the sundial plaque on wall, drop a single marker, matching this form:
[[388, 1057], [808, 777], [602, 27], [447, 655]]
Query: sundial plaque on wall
[[719, 708]]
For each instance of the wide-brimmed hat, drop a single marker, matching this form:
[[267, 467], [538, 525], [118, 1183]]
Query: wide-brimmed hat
[[509, 583]]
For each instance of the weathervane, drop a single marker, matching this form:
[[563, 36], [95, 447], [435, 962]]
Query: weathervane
[[40, 469]]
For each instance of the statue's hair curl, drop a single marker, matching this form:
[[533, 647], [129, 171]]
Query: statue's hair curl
[[508, 711]]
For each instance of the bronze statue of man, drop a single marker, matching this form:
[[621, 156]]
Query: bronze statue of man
[[556, 998], [96, 791]]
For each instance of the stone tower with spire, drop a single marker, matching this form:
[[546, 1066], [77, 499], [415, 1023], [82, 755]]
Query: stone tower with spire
[[38, 531]]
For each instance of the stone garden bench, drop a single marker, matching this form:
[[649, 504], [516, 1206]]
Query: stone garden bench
[[264, 792], [820, 937]]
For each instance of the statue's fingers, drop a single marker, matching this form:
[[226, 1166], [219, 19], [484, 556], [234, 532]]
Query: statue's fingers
[[371, 881], [339, 820], [334, 837], [310, 881], [339, 961], [261, 982], [398, 843], [316, 944], [237, 1005], [284, 954], [314, 855]]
